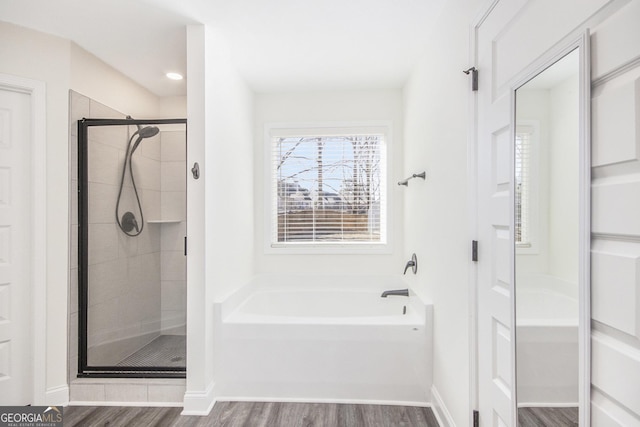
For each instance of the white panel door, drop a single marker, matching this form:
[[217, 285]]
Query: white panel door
[[615, 220], [15, 283], [496, 395]]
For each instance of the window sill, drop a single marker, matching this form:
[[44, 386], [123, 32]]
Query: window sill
[[328, 249]]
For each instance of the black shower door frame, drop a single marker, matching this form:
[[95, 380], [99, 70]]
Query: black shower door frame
[[84, 370]]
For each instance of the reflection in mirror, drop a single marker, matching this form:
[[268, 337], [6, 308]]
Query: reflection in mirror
[[547, 245]]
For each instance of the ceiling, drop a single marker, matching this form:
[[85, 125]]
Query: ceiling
[[277, 45]]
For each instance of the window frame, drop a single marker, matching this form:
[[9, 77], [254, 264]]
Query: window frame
[[272, 130]]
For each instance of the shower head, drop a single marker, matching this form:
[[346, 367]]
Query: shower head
[[145, 132], [148, 131]]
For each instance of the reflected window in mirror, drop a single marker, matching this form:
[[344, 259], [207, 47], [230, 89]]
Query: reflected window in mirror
[[523, 186]]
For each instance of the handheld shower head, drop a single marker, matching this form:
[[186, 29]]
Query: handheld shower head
[[145, 132], [148, 131]]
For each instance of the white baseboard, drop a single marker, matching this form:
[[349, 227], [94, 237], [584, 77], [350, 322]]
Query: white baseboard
[[131, 404], [56, 396], [229, 398], [440, 409], [199, 402], [548, 404]]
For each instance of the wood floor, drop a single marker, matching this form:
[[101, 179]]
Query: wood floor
[[548, 417], [254, 414]]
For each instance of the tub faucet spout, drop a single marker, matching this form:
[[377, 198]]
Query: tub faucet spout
[[400, 292]]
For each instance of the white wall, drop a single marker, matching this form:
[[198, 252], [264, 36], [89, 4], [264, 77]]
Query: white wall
[[38, 56], [220, 139], [173, 107], [199, 388], [229, 175], [436, 104], [99, 81], [331, 106]]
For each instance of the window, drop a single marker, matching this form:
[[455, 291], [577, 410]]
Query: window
[[328, 187], [523, 188]]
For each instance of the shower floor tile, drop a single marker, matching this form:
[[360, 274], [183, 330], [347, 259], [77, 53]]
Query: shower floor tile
[[164, 351]]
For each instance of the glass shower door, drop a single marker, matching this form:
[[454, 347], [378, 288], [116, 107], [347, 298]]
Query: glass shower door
[[132, 277]]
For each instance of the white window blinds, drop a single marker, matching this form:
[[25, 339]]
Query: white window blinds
[[328, 189], [523, 188]]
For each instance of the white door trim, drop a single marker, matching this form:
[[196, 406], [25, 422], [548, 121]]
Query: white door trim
[[37, 91]]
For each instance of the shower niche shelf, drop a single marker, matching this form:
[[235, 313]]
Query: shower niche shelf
[[164, 221]]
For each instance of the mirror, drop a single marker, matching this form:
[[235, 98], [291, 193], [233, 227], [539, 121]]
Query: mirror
[[548, 262]]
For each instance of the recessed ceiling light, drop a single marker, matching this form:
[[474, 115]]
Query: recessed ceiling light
[[174, 76]]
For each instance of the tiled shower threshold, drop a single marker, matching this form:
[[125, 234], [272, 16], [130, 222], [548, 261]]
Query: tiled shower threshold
[[128, 391]]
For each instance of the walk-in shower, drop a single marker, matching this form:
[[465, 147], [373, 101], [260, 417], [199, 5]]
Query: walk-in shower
[[131, 258]]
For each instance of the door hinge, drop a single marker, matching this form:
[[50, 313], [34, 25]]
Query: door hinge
[[185, 245], [476, 418], [474, 250], [474, 77]]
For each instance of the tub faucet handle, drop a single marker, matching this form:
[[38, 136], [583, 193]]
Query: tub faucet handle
[[413, 263]]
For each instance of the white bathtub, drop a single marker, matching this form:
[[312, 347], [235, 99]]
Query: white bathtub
[[547, 341], [324, 339]]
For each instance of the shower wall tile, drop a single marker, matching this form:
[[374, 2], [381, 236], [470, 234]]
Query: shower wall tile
[[101, 111], [173, 146], [125, 392], [111, 136], [73, 157], [73, 256], [127, 246], [73, 336], [173, 295], [174, 322], [150, 148], [73, 364], [149, 312], [73, 290], [173, 176], [105, 164], [73, 207], [173, 205], [103, 243], [149, 239], [173, 236], [102, 198], [107, 281], [146, 173], [173, 265], [144, 268], [151, 200], [103, 320], [87, 393], [79, 108]]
